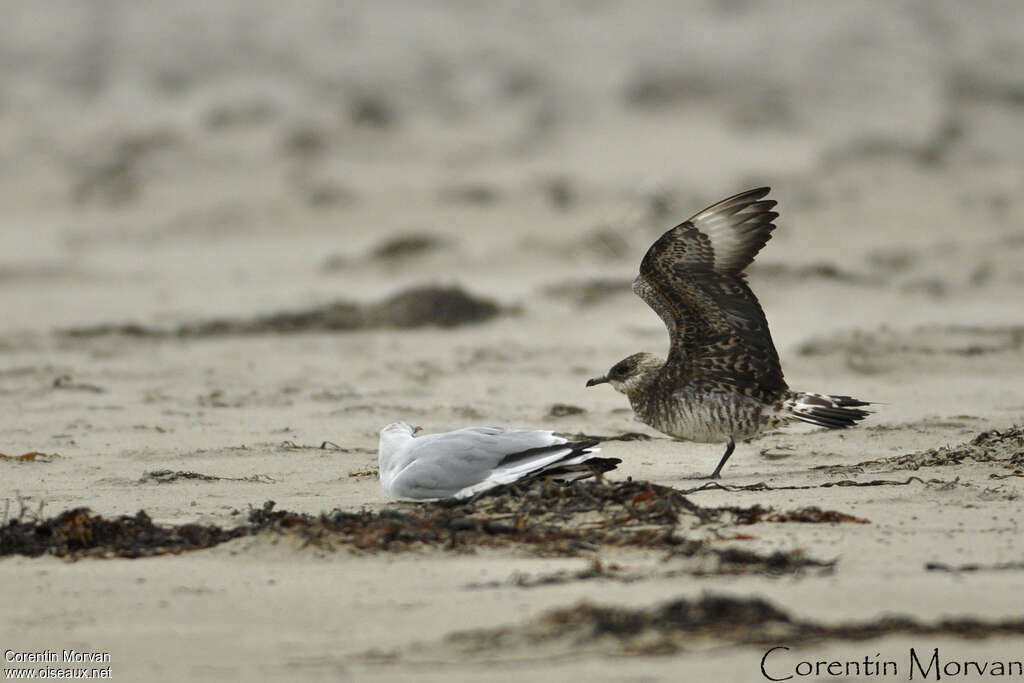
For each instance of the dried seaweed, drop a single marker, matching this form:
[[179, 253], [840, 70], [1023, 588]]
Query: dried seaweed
[[811, 271], [79, 533], [31, 456], [695, 558], [478, 193], [406, 245], [626, 436], [807, 515], [656, 87], [683, 624], [564, 410], [585, 293], [168, 476], [373, 110], [763, 486], [290, 445], [595, 570], [734, 560], [542, 518], [416, 307], [1003, 566], [1001, 447], [924, 341], [65, 382], [814, 515]]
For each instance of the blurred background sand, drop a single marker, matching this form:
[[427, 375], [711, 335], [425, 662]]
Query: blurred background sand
[[163, 165]]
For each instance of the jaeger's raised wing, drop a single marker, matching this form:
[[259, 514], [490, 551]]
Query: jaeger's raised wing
[[692, 277]]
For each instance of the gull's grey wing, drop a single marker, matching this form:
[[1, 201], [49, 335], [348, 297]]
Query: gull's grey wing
[[567, 461], [441, 465], [692, 277]]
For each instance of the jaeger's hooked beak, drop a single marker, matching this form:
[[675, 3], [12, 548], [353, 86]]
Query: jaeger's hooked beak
[[597, 380]]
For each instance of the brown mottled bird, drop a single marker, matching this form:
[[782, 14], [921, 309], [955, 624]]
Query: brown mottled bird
[[722, 380]]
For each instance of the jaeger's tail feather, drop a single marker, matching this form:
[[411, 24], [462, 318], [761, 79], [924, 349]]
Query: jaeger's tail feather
[[833, 412]]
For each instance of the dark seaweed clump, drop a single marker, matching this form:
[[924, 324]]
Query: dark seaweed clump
[[416, 307], [541, 518], [544, 518], [681, 624], [998, 447], [80, 533]]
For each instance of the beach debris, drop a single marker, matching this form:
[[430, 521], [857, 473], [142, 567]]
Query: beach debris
[[560, 192], [406, 245], [625, 436], [111, 172], [398, 247], [168, 476], [364, 473], [807, 515], [762, 486], [998, 447], [541, 518], [31, 456], [80, 533], [696, 558], [564, 410], [922, 342], [973, 567], [473, 193], [685, 624], [821, 270], [65, 382], [372, 110], [589, 292], [290, 445], [652, 87], [416, 307]]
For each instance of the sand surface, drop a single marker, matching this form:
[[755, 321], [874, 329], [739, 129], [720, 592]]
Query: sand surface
[[165, 167]]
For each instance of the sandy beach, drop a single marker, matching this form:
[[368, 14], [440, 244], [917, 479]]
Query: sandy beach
[[239, 240]]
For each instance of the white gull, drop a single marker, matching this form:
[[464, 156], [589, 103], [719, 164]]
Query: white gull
[[465, 462]]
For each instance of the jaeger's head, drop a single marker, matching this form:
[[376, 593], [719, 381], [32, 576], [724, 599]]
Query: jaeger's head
[[629, 373]]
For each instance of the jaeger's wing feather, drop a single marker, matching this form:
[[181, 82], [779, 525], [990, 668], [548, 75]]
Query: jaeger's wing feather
[[692, 277]]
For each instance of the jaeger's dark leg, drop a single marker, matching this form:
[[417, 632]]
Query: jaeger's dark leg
[[721, 463]]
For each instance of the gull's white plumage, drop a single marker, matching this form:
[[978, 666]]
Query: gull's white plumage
[[464, 462]]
